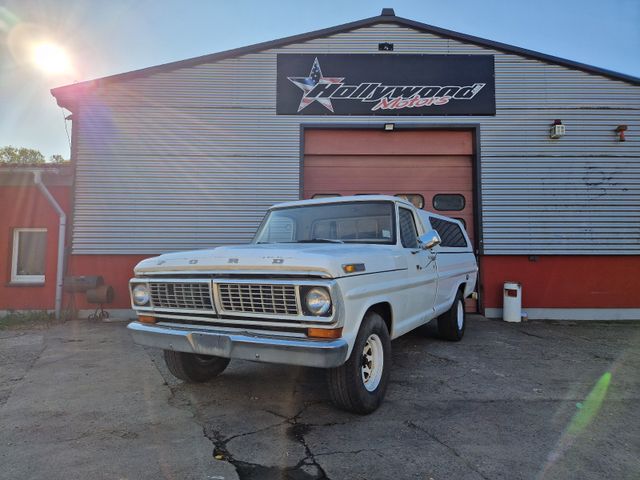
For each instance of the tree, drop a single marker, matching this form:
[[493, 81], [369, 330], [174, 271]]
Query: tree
[[26, 156], [20, 156], [57, 159]]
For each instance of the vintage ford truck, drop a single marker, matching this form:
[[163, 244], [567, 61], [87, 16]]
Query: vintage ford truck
[[325, 283]]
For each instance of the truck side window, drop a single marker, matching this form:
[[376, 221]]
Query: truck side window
[[408, 232], [450, 233]]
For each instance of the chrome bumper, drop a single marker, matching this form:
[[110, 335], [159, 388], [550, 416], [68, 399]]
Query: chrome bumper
[[308, 353]]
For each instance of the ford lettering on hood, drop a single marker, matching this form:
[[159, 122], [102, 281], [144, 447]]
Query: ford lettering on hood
[[320, 259]]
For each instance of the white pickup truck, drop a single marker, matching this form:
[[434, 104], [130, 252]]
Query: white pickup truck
[[325, 283]]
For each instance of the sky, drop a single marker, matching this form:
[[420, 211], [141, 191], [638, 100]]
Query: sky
[[107, 37]]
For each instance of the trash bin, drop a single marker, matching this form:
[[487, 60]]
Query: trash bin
[[512, 302]]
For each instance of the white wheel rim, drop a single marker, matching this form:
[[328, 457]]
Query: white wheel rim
[[372, 362], [460, 315]]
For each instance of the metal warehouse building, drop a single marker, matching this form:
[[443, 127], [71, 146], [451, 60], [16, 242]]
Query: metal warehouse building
[[540, 156]]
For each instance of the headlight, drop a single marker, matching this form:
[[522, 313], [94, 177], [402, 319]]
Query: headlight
[[318, 301], [141, 294]]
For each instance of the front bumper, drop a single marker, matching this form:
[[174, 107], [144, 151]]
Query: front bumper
[[308, 353]]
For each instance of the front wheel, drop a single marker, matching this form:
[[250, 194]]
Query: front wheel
[[191, 367], [360, 384], [452, 323]]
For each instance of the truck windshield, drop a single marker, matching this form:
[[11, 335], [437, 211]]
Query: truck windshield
[[352, 222]]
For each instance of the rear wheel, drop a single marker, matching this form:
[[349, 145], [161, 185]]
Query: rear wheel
[[359, 385], [452, 323], [191, 367]]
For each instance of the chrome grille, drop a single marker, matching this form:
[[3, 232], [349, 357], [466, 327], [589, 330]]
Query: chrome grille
[[192, 296], [256, 298]]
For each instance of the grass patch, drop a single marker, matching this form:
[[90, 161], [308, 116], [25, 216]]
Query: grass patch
[[27, 319]]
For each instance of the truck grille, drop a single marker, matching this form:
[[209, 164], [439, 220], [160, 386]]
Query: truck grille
[[252, 298], [192, 296]]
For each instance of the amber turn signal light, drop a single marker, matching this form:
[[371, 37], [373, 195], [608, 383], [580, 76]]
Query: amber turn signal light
[[147, 319], [324, 332], [353, 267]]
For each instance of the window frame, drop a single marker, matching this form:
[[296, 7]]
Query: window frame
[[462, 231], [15, 277], [394, 227], [403, 195], [415, 228], [433, 202]]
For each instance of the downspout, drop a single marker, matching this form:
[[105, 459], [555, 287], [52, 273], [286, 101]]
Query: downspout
[[62, 227]]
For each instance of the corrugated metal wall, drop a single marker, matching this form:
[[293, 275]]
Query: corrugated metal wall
[[191, 158]]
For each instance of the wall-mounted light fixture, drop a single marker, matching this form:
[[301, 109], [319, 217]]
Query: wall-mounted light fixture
[[389, 127], [385, 47], [620, 129], [557, 129]]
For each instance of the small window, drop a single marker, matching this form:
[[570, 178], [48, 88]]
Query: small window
[[408, 232], [325, 195], [28, 256], [415, 199], [448, 202], [450, 233]]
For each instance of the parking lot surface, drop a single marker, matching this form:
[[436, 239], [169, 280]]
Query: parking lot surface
[[537, 400]]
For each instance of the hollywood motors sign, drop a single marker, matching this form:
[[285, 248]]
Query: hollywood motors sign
[[385, 85]]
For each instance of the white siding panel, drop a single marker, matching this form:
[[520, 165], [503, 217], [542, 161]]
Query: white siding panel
[[192, 157]]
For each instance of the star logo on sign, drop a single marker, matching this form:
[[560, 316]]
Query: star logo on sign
[[309, 83]]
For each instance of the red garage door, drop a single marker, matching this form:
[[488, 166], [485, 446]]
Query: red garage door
[[433, 165]]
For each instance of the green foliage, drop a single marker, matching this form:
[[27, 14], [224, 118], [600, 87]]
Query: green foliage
[[20, 156], [57, 159], [26, 156]]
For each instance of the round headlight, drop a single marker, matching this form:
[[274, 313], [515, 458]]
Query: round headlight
[[318, 301], [141, 294]]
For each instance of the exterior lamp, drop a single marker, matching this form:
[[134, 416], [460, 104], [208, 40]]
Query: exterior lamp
[[620, 129], [557, 129], [388, 127]]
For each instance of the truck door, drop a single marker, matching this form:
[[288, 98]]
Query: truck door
[[422, 274]]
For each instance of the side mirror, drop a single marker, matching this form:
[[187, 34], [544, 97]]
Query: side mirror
[[429, 240]]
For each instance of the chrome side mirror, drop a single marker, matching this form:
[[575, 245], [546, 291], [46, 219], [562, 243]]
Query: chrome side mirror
[[429, 240]]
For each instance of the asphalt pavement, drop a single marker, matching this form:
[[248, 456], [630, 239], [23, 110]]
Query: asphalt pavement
[[538, 400]]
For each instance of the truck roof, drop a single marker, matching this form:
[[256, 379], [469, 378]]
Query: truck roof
[[351, 198]]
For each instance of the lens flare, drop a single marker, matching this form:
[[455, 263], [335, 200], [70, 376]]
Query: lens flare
[[50, 58]]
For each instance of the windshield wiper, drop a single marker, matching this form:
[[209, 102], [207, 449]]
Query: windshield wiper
[[320, 240]]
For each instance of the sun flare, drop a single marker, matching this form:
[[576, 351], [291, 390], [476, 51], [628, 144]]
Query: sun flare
[[51, 58]]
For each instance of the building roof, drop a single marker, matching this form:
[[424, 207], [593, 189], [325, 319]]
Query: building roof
[[387, 16], [22, 174]]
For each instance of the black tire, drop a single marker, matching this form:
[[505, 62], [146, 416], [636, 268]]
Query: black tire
[[191, 367], [452, 323], [347, 385]]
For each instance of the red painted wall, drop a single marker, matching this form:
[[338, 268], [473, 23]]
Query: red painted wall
[[584, 281], [26, 206], [116, 271]]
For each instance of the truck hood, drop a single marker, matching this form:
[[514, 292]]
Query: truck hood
[[324, 259]]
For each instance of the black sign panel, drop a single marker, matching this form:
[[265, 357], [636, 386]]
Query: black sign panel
[[385, 84]]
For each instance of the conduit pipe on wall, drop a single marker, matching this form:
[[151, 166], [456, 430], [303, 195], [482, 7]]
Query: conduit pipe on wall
[[62, 227]]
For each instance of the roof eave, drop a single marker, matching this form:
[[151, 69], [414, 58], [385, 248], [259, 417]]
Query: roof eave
[[60, 92]]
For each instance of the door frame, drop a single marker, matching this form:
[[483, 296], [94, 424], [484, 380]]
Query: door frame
[[476, 158], [476, 166]]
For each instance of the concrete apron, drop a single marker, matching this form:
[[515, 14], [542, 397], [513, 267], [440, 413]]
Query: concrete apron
[[63, 422]]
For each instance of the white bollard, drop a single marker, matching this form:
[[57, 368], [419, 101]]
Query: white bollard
[[512, 302]]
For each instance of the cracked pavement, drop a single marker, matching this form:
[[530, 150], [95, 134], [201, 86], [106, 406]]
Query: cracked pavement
[[510, 401]]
